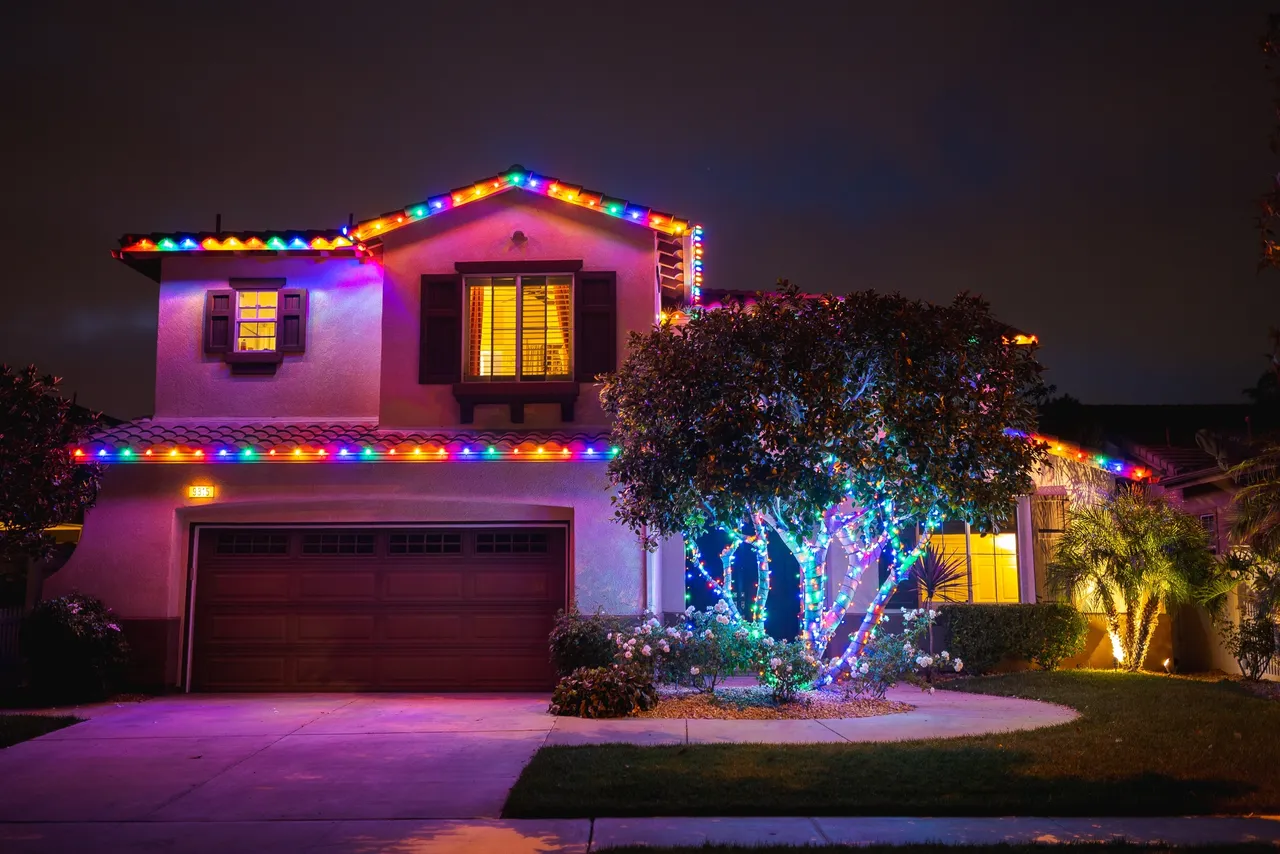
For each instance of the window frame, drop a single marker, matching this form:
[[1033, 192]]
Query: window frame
[[519, 276], [237, 320]]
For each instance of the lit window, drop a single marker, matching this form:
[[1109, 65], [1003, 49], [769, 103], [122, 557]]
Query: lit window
[[519, 327], [991, 561], [256, 321]]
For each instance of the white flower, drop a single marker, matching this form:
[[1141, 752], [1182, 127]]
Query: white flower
[[930, 689], [654, 623], [708, 634], [722, 619], [908, 616], [688, 635], [863, 668], [646, 629], [627, 654], [959, 665], [908, 648], [695, 671], [688, 612], [767, 641], [740, 634], [944, 655], [933, 614], [924, 660], [673, 632], [775, 662], [609, 636], [721, 607]]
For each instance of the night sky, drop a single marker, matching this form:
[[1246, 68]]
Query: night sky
[[1091, 168]]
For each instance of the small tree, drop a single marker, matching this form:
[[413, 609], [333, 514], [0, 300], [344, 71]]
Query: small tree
[[1135, 551], [41, 483], [821, 420]]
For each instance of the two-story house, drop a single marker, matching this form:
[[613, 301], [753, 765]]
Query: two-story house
[[378, 457]]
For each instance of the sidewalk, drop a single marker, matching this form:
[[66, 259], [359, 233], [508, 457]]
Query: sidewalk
[[577, 836]]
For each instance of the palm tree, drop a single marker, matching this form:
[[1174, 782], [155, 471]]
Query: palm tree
[[937, 576], [1257, 502], [1135, 551]]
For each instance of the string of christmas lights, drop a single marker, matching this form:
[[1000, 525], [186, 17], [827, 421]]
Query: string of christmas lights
[[354, 453], [1075, 453]]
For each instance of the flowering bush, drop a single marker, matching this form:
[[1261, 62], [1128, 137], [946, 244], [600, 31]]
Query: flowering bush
[[709, 646], [75, 649], [603, 692], [786, 667], [893, 658]]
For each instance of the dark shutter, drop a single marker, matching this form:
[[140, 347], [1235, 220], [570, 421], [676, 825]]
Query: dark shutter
[[219, 317], [440, 350], [595, 325], [293, 320]]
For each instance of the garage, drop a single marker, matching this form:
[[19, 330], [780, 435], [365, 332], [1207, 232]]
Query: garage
[[375, 609]]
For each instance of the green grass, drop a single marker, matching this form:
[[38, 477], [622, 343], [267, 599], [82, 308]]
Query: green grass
[[1144, 745], [16, 728]]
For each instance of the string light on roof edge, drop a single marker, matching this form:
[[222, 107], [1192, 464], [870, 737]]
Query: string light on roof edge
[[290, 454], [1075, 453], [380, 225]]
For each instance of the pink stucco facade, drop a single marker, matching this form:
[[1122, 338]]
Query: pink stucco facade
[[336, 379], [361, 366]]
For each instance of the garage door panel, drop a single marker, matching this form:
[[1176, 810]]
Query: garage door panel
[[495, 584], [423, 627], [429, 583], [252, 586], [327, 627], [233, 628], [377, 609]]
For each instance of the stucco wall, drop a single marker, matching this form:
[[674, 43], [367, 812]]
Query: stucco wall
[[134, 549], [335, 379], [482, 231]]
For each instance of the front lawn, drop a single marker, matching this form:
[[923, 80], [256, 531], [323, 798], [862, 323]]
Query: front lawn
[[1144, 745], [16, 728]]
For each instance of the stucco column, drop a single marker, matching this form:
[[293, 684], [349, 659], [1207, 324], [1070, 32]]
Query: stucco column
[[1026, 552]]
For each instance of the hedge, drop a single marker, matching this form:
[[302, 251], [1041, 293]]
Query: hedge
[[984, 635]]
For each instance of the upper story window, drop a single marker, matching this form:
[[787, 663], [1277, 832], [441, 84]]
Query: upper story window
[[519, 327], [254, 322]]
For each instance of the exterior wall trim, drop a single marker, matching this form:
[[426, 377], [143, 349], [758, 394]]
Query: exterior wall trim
[[496, 267]]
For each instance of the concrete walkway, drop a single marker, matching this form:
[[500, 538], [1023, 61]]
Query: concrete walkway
[[577, 836], [943, 714]]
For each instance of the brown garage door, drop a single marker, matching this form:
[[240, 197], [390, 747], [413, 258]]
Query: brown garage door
[[408, 609]]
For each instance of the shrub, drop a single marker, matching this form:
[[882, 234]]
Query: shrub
[[603, 692], [893, 658], [785, 666], [1252, 644], [75, 649], [581, 640], [707, 647], [1044, 633]]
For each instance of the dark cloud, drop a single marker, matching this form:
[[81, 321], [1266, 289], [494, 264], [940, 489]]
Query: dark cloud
[[1090, 168]]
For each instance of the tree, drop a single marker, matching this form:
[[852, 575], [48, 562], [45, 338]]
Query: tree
[[41, 483], [819, 419], [1136, 551]]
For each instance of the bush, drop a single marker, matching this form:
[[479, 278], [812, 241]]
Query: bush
[[1044, 633], [603, 692], [581, 640], [1252, 644], [787, 667], [709, 646], [893, 658], [75, 649]]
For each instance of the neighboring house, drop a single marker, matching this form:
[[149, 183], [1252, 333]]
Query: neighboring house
[[378, 457]]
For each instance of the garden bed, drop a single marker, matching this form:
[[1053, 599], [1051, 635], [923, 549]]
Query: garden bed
[[757, 703]]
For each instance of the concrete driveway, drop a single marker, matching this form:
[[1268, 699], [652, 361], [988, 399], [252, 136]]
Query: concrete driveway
[[226, 758]]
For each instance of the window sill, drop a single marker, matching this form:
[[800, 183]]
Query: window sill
[[515, 395], [256, 362]]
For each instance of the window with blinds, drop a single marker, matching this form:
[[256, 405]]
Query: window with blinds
[[519, 327]]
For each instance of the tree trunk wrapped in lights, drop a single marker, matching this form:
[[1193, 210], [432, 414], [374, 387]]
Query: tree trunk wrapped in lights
[[820, 419]]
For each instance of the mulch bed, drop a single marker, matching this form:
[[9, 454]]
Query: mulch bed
[[756, 703]]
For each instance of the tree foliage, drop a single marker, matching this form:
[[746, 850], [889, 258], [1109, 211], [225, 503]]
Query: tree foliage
[[894, 410], [41, 484], [1136, 552]]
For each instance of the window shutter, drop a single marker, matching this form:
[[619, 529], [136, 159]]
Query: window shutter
[[219, 318], [595, 325], [293, 320], [440, 349]]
